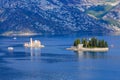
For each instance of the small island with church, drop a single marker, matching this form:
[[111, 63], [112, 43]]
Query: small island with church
[[33, 44], [93, 45]]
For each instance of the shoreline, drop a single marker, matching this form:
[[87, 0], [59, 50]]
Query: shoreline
[[89, 49]]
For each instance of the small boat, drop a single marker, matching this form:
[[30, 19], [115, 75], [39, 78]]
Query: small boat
[[112, 45], [10, 48], [14, 38]]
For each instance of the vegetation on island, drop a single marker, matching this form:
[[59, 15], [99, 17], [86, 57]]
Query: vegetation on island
[[77, 42], [91, 43]]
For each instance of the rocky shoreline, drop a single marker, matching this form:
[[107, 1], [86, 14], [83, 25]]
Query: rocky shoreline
[[88, 49]]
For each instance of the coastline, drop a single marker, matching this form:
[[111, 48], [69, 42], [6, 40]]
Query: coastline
[[88, 49], [11, 33]]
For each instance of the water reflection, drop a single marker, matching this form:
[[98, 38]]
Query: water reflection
[[35, 53], [11, 52], [93, 55]]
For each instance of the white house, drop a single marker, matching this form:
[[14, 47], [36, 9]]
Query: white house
[[80, 46]]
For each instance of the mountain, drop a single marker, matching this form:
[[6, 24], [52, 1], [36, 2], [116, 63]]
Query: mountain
[[113, 17], [53, 16], [107, 10]]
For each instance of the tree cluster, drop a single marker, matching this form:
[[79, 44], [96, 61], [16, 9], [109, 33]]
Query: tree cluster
[[91, 43]]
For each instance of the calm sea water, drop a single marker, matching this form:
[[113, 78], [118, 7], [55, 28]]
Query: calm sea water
[[54, 62]]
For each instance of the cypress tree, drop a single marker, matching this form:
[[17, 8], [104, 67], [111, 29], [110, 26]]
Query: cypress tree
[[76, 42], [106, 44], [103, 43], [100, 43], [94, 42], [84, 42]]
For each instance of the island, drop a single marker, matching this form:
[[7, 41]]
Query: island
[[33, 44], [92, 44]]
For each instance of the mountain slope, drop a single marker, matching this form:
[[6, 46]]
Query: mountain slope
[[47, 16], [113, 17], [107, 10]]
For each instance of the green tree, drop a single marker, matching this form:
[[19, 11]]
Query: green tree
[[76, 42], [99, 44], [103, 43], [90, 44], [84, 42], [106, 44], [93, 42]]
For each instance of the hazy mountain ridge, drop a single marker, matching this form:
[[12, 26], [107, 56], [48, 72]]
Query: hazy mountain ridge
[[48, 16], [107, 10], [113, 17]]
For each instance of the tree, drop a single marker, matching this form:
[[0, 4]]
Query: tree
[[99, 44], [76, 42], [89, 44], [84, 42], [103, 43], [106, 44], [93, 42]]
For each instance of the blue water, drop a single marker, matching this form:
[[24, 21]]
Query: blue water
[[54, 62]]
